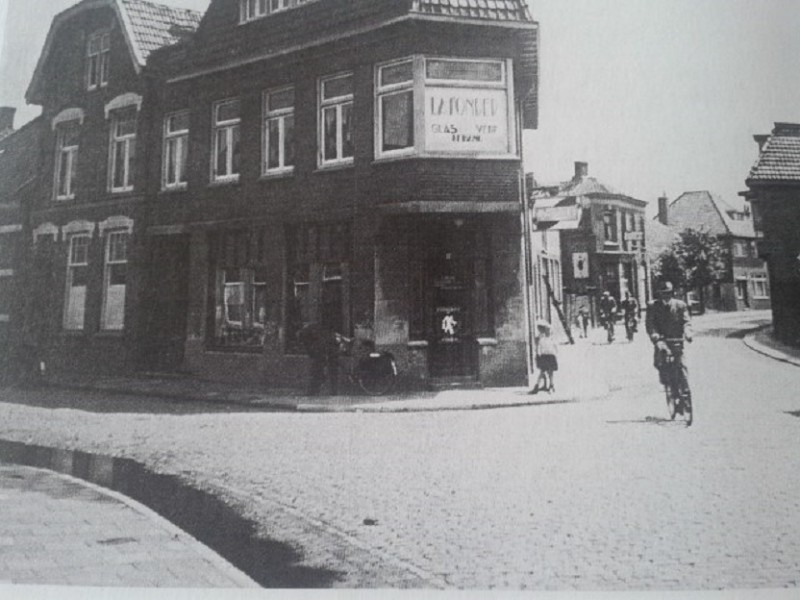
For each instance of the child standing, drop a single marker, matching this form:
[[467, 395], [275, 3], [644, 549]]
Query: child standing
[[546, 358]]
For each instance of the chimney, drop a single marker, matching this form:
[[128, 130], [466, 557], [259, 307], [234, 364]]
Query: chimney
[[7, 118], [530, 181], [761, 139], [581, 170], [663, 210]]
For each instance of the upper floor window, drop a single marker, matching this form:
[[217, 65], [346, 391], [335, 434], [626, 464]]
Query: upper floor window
[[278, 152], [255, 9], [610, 226], [444, 107], [740, 249], [395, 93], [176, 146], [123, 150], [98, 49], [226, 158], [67, 135], [336, 119]]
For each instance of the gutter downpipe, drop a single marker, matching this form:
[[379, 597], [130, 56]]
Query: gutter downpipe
[[527, 256]]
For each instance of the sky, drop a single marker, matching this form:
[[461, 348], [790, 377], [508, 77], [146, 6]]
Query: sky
[[657, 96]]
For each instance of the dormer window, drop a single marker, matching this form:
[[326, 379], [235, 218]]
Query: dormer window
[[98, 50], [250, 10]]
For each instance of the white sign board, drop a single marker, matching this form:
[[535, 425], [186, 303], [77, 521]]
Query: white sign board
[[580, 265], [466, 121]]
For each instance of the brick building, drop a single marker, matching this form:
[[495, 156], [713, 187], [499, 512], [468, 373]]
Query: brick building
[[774, 194], [83, 214], [745, 284], [602, 239], [355, 163]]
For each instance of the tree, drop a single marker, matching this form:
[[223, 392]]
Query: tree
[[694, 261]]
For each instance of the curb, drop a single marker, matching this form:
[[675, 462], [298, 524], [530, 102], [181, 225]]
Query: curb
[[750, 341], [231, 572]]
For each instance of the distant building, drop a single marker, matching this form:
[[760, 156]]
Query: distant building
[[602, 239], [774, 194], [745, 283]]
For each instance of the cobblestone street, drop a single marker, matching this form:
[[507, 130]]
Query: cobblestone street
[[595, 495]]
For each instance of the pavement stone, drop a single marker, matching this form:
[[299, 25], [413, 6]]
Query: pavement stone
[[57, 530]]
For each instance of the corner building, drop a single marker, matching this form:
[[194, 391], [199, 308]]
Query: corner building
[[351, 162]]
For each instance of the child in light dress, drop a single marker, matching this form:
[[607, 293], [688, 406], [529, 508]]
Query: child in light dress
[[546, 359]]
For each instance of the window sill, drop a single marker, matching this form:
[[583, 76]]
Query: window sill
[[337, 166], [224, 182], [174, 189], [234, 350], [282, 174], [418, 344]]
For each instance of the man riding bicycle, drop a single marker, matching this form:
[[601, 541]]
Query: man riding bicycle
[[607, 308], [631, 313], [668, 324]]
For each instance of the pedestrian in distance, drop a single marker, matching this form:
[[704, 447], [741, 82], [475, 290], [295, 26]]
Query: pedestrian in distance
[[546, 359], [583, 321], [322, 344], [631, 313]]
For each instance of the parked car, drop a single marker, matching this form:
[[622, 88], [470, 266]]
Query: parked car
[[694, 304]]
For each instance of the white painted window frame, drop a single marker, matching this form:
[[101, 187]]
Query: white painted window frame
[[73, 264], [280, 116], [126, 142], [228, 126], [179, 138], [337, 104], [98, 58], [71, 164], [107, 324]]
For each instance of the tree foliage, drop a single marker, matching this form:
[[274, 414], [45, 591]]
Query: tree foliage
[[694, 260]]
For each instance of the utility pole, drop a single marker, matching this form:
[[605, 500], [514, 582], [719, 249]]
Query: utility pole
[[527, 257]]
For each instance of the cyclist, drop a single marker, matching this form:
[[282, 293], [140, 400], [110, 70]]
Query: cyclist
[[668, 320], [608, 313], [631, 313]]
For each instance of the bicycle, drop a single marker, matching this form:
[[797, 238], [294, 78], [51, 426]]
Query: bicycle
[[608, 325], [631, 326], [373, 371], [676, 387]]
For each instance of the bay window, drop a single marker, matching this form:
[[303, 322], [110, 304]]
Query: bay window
[[67, 135], [226, 156], [123, 150], [77, 282], [115, 280], [278, 135], [336, 119], [176, 150]]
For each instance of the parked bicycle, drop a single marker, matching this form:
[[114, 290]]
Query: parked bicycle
[[676, 386], [373, 371]]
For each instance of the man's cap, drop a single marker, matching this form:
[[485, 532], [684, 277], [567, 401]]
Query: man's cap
[[606, 293], [665, 287], [543, 325]]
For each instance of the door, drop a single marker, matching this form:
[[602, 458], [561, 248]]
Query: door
[[453, 349], [167, 303]]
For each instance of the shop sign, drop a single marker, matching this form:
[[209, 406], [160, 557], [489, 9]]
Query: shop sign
[[466, 121], [580, 265]]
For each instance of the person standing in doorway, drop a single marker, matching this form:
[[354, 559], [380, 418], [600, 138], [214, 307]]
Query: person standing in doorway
[[321, 343]]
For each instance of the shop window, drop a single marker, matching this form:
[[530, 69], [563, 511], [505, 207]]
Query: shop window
[[278, 152], [760, 287], [176, 150], [98, 51], [318, 279], [336, 120], [77, 282], [115, 280], [123, 150], [239, 284], [227, 134], [67, 135]]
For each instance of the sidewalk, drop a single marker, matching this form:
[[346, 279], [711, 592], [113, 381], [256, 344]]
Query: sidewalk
[[572, 359], [58, 530], [764, 343]]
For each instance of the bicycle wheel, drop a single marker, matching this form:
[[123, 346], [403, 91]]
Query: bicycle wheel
[[688, 411], [670, 401], [377, 375]]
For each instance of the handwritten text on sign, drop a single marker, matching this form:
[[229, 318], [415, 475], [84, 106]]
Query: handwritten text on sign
[[471, 121]]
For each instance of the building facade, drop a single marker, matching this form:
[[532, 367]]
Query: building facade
[[774, 195], [351, 163], [82, 218], [602, 239], [745, 283]]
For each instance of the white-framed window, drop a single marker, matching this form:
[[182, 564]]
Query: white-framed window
[[250, 10], [98, 50], [740, 249], [278, 134], [123, 150], [336, 119], [227, 136], [67, 138], [176, 150], [760, 286], [115, 280], [77, 282], [395, 108]]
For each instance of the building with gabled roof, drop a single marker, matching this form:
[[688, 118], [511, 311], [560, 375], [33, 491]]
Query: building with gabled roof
[[350, 162], [774, 195], [86, 204], [745, 284]]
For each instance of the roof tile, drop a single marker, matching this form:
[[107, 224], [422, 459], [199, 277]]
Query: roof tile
[[155, 25], [779, 159]]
